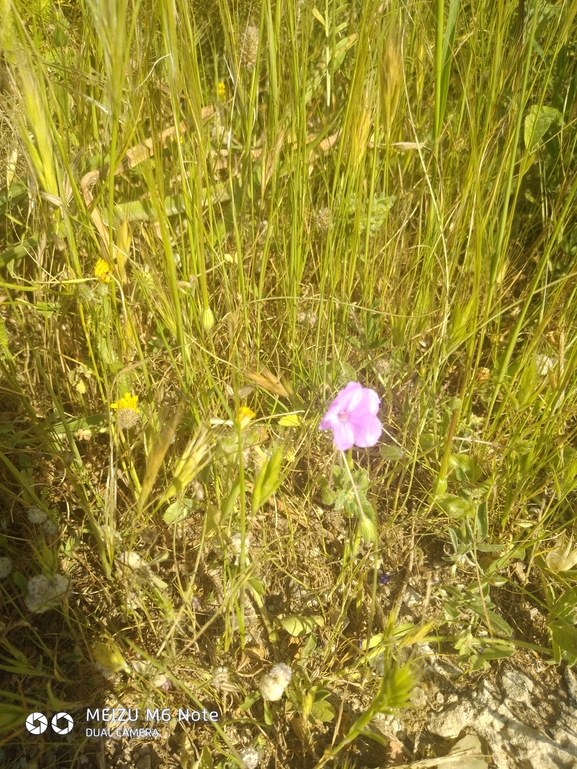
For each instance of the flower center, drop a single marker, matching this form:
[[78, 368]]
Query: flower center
[[343, 416]]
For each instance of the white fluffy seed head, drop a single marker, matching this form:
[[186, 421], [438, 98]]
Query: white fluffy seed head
[[36, 515], [274, 683], [44, 593], [250, 758]]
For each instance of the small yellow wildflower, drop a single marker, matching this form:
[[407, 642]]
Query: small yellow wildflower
[[221, 90], [127, 414], [128, 401], [245, 416], [102, 271]]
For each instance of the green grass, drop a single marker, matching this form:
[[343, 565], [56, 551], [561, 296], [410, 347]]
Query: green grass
[[350, 191]]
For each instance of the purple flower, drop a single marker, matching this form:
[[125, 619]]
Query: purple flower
[[352, 417]]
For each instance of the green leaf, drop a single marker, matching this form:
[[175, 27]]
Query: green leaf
[[368, 529], [496, 652], [290, 420], [268, 479], [231, 499], [309, 647], [565, 604], [20, 581], [249, 701], [328, 494], [482, 521], [297, 626], [321, 709], [455, 507], [178, 511], [465, 467], [392, 453], [565, 636], [537, 122], [11, 716]]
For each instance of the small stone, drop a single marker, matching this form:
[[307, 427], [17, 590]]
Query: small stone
[[418, 697], [145, 762], [518, 687], [411, 598]]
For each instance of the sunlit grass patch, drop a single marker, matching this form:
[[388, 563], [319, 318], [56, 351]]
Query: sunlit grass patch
[[215, 220]]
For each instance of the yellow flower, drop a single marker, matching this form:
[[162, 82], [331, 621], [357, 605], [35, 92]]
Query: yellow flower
[[128, 401], [127, 414], [221, 90], [102, 271], [245, 416]]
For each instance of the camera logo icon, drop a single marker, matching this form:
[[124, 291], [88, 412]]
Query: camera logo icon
[[62, 723], [37, 723]]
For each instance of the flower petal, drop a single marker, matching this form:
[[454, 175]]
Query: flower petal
[[366, 428], [343, 436]]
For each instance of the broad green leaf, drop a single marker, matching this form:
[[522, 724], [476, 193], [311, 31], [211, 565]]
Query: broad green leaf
[[537, 122], [376, 640], [290, 420], [321, 709], [11, 716], [565, 636], [231, 499], [297, 626], [495, 652], [268, 479], [482, 521], [392, 453], [455, 507], [178, 511], [465, 467], [565, 604], [249, 701], [368, 529], [309, 647], [498, 624], [328, 494]]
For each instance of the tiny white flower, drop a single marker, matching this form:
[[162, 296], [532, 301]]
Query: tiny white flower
[[563, 556], [274, 683], [36, 515], [5, 566], [236, 543], [250, 758], [545, 364], [219, 677]]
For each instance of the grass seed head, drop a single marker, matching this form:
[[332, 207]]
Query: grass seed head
[[249, 48]]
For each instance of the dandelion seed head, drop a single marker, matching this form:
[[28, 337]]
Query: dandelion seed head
[[44, 593], [250, 758], [50, 528], [273, 684], [36, 515]]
